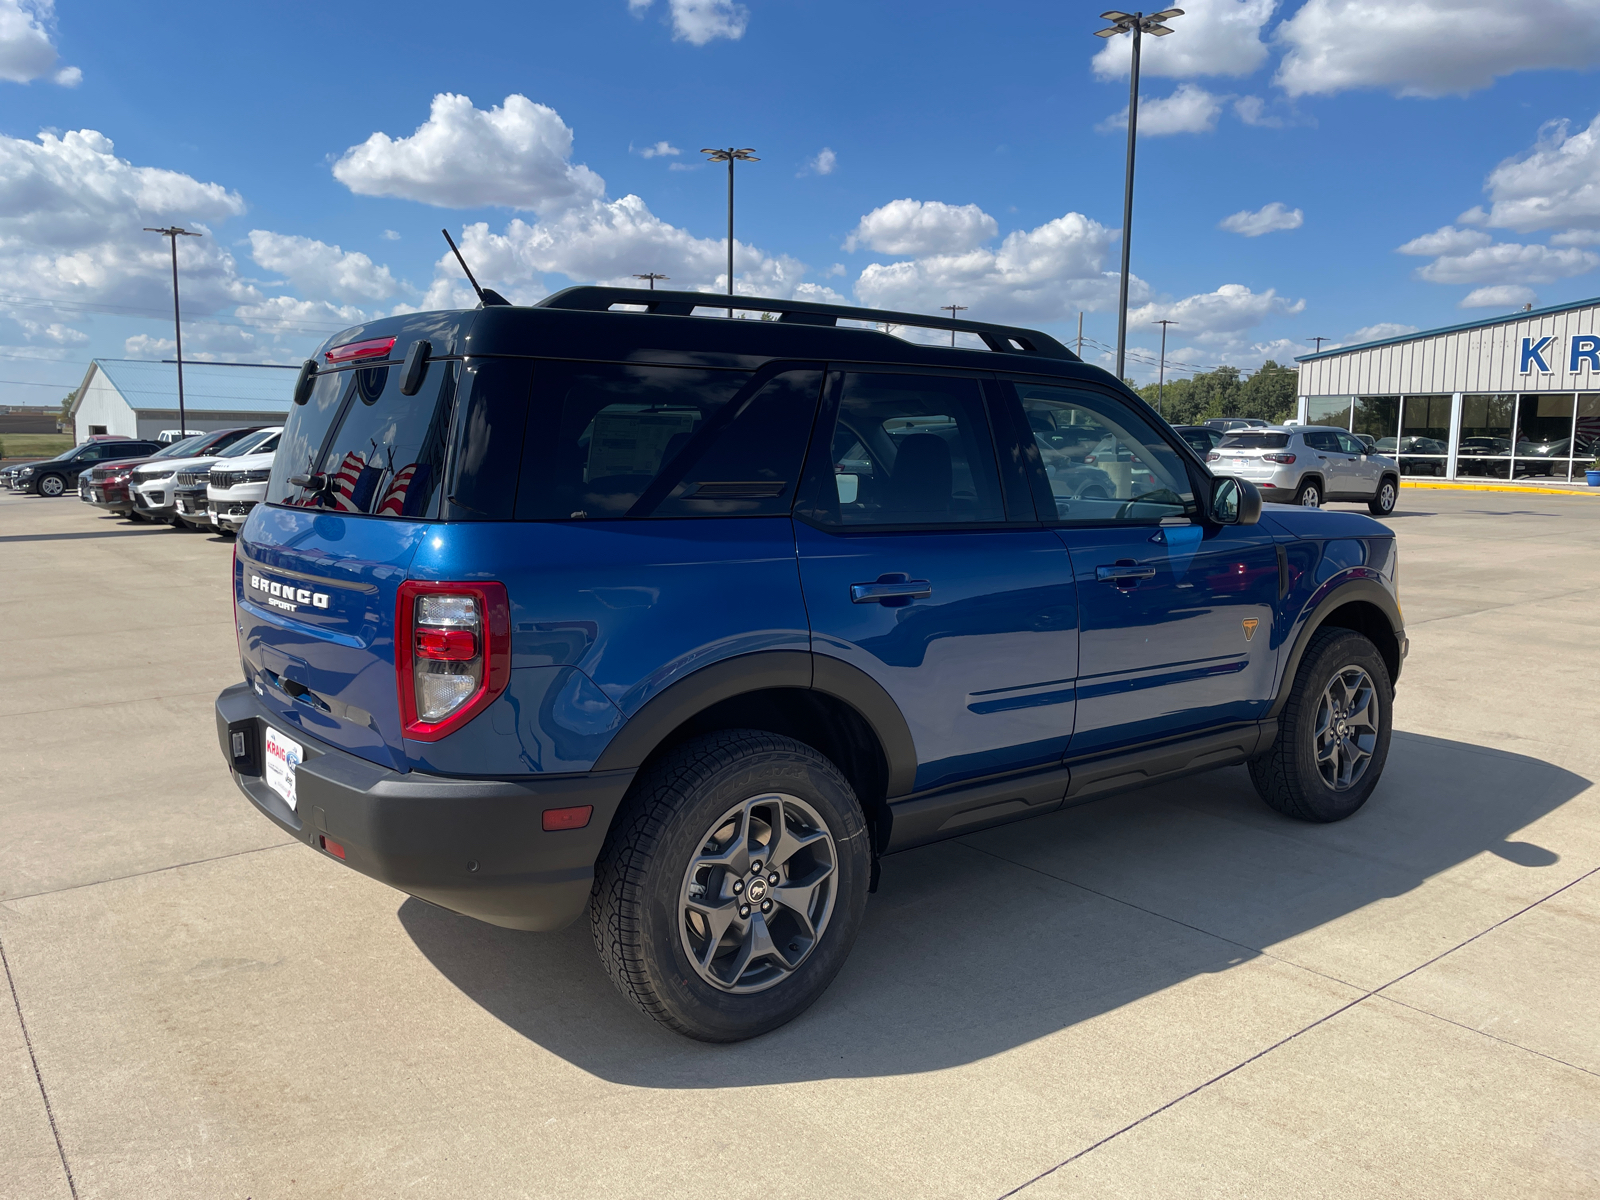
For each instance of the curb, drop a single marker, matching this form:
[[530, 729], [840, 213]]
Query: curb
[[1494, 487]]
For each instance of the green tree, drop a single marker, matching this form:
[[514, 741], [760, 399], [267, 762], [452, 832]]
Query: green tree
[[64, 421], [1269, 394]]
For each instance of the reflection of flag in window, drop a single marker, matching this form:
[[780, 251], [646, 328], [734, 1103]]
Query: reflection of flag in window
[[394, 499], [1588, 435], [345, 481]]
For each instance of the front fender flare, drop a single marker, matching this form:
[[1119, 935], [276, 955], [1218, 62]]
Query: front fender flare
[[1357, 589]]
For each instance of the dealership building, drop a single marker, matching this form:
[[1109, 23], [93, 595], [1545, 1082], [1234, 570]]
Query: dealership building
[[139, 399], [1507, 397]]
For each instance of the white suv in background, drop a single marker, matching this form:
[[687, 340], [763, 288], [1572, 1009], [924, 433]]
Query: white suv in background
[[1307, 465], [239, 484]]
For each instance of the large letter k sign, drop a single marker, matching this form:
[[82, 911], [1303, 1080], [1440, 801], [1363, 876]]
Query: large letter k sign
[[1533, 352]]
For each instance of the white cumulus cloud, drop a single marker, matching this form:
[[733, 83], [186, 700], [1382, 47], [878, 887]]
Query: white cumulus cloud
[[660, 150], [1510, 262], [1431, 47], [515, 155], [1190, 109], [27, 43], [1502, 295], [1217, 318], [1213, 37], [1036, 276], [1554, 184], [923, 227], [824, 163], [320, 269], [1447, 239], [1268, 219], [700, 21], [1379, 331]]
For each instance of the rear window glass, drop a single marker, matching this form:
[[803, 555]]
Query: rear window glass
[[1250, 440], [360, 446], [647, 441]]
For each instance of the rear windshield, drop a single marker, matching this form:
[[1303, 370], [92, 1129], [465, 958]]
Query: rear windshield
[[358, 445], [1248, 439]]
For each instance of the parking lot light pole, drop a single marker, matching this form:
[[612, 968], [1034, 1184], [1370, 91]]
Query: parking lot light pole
[[174, 233], [652, 277], [1137, 24], [731, 155]]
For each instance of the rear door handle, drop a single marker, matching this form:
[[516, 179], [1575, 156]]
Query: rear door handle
[[1124, 573], [893, 590]]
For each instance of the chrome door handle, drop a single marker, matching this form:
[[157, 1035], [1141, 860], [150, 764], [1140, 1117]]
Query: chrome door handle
[[893, 590], [1124, 573]]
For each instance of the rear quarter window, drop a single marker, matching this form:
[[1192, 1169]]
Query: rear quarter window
[[1248, 440]]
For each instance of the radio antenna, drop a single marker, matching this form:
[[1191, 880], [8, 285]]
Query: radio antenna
[[486, 296]]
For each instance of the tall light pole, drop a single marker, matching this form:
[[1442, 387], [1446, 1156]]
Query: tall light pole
[[1138, 24], [652, 277], [1319, 341], [952, 309], [173, 233], [1161, 379], [731, 155]]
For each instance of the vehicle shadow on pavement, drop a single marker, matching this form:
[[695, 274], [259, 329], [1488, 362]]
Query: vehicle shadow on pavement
[[973, 947]]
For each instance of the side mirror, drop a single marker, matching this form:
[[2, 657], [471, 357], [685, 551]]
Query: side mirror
[[1235, 502]]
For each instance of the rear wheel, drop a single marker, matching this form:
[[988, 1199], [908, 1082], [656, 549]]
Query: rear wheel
[[1333, 734], [1382, 504], [1310, 494], [732, 885]]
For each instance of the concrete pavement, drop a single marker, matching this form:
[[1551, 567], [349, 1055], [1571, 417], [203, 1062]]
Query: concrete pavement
[[1171, 993]]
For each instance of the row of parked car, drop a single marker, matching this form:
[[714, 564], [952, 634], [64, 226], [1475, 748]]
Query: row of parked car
[[208, 480]]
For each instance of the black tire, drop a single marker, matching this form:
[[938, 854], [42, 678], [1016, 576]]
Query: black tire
[[1388, 495], [642, 922], [51, 485], [1309, 494], [1288, 776]]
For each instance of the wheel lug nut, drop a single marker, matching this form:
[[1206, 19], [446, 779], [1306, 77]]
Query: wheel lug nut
[[766, 906], [744, 910], [738, 886], [773, 878], [755, 867]]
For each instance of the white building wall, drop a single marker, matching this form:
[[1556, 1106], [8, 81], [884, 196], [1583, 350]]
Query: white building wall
[[103, 405], [1485, 359], [151, 421]]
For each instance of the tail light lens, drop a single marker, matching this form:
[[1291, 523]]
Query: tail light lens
[[452, 654], [1279, 458], [1213, 457]]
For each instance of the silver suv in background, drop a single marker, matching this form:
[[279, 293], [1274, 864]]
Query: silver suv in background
[[1308, 464]]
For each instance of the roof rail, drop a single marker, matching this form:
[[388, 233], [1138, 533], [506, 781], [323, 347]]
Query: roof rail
[[1006, 339]]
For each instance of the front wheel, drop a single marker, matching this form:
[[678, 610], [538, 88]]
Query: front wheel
[[732, 885], [1333, 734], [1382, 504], [52, 485], [1309, 495]]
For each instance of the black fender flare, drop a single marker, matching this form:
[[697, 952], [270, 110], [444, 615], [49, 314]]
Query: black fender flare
[[760, 671], [1355, 590]]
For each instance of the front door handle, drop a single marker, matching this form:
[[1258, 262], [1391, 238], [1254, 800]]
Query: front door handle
[[1124, 573], [892, 590]]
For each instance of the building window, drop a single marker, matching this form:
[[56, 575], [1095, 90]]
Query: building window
[[1329, 410], [1485, 446], [1586, 431], [94, 429], [1423, 446], [1376, 416]]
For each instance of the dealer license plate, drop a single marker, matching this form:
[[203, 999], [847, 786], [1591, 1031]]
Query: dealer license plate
[[1239, 462], [283, 756]]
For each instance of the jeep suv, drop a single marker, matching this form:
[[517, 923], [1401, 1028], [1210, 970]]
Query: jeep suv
[[607, 609], [1307, 464]]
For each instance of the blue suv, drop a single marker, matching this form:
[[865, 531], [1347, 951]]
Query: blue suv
[[605, 607]]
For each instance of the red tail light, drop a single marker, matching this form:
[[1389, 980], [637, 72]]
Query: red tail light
[[1213, 457], [1279, 458], [452, 654], [350, 351]]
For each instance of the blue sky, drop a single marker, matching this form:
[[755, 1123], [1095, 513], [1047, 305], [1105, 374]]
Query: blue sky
[[912, 156]]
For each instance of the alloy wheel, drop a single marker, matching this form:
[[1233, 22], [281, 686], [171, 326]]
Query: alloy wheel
[[1310, 496], [758, 895], [1347, 728], [1387, 496], [50, 486]]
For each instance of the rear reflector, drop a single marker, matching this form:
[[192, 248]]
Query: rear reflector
[[371, 348], [331, 846], [567, 818]]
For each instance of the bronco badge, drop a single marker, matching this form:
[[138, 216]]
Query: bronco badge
[[1250, 624], [286, 596]]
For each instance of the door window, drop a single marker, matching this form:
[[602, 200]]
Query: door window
[[906, 450], [1349, 444], [1103, 461], [1323, 440]]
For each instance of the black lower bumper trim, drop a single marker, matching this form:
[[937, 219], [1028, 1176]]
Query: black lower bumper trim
[[474, 846]]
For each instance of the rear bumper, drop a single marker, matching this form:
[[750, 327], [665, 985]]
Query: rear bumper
[[474, 846]]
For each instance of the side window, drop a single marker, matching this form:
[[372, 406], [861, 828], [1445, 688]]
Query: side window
[[1102, 460], [906, 450], [1324, 440], [1349, 444]]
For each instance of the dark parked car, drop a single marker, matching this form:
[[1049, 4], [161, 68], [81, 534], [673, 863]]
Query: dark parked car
[[59, 475], [1203, 438], [679, 624], [1225, 424]]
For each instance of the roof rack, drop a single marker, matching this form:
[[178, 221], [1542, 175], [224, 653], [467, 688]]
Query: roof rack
[[1005, 339]]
